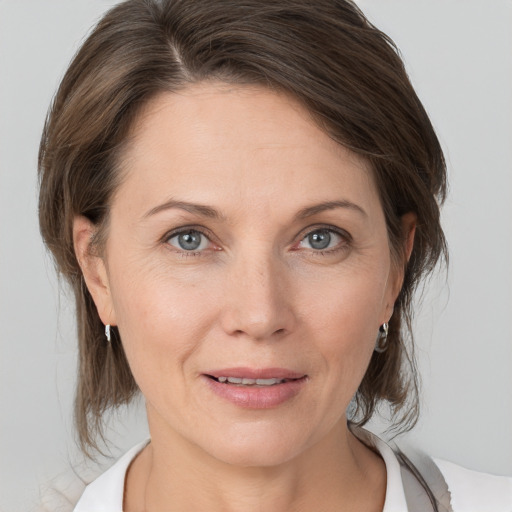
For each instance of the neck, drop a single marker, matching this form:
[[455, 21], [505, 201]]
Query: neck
[[337, 472]]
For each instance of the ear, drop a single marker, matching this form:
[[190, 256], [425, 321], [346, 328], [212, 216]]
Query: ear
[[409, 221], [93, 268]]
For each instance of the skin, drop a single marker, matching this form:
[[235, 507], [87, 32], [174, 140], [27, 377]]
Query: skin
[[255, 294]]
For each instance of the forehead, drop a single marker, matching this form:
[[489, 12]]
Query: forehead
[[216, 141]]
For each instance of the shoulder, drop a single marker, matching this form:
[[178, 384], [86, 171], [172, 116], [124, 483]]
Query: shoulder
[[473, 491], [105, 494], [463, 489]]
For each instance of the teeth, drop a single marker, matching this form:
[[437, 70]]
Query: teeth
[[267, 382], [250, 382]]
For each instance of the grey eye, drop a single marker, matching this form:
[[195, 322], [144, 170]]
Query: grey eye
[[190, 240], [319, 239]]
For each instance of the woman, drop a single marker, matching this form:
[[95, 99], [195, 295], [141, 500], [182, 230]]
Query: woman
[[244, 197]]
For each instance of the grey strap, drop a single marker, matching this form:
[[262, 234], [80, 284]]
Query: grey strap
[[424, 485]]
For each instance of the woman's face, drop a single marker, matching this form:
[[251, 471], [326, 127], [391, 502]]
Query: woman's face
[[244, 243]]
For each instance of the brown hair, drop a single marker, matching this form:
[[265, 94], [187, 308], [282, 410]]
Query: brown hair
[[327, 55]]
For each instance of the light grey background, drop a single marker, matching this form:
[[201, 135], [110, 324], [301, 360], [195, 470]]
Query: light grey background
[[459, 55]]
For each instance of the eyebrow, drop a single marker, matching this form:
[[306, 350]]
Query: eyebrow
[[212, 213], [198, 209], [329, 205]]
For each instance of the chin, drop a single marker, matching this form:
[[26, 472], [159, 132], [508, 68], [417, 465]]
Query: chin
[[256, 449]]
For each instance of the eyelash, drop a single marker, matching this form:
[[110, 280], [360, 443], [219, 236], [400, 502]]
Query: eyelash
[[324, 252], [343, 246], [180, 231]]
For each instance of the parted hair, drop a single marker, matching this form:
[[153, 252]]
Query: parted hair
[[325, 54]]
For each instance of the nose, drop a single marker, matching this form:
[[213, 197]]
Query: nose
[[259, 299]]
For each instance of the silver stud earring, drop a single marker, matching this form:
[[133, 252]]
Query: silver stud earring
[[107, 332], [381, 344]]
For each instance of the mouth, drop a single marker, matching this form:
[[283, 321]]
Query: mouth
[[246, 376], [246, 381], [256, 388]]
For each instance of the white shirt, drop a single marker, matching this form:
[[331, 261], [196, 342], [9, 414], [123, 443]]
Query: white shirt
[[471, 491]]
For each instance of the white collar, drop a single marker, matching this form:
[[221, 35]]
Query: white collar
[[395, 495], [105, 494]]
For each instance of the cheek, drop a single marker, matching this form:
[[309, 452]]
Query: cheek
[[349, 303], [159, 316], [344, 319]]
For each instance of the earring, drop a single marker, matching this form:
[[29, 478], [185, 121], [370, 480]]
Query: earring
[[107, 332], [381, 344]]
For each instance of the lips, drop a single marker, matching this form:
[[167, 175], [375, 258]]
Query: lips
[[244, 381], [253, 373], [255, 388]]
